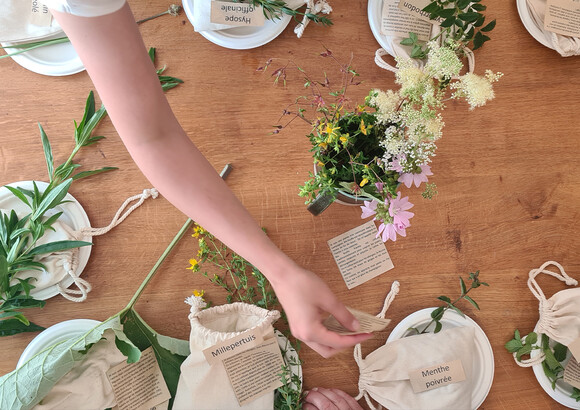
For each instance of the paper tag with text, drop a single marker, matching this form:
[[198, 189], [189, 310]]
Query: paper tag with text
[[574, 348], [436, 376], [368, 323], [398, 23], [255, 372], [39, 14], [232, 346], [572, 373], [139, 385], [563, 17], [415, 8], [360, 255], [236, 14]]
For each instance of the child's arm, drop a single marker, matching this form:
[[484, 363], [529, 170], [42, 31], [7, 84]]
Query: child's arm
[[111, 49]]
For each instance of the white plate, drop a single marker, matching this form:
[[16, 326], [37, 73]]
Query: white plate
[[529, 24], [55, 334], [241, 38], [375, 10], [73, 215], [54, 60], [563, 390], [483, 360]]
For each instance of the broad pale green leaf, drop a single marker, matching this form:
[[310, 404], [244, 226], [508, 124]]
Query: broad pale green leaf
[[513, 345], [26, 386], [57, 246], [531, 338], [9, 327]]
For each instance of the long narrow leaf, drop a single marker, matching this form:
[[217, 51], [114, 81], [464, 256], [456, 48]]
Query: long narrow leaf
[[57, 247], [89, 110], [52, 199], [85, 174], [18, 193], [4, 275], [47, 152], [19, 303], [9, 327]]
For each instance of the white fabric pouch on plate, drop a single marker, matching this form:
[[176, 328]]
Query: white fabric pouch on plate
[[25, 20]]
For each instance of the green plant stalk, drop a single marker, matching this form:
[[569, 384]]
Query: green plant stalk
[[445, 309]]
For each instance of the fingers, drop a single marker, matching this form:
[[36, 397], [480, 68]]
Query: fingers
[[341, 313], [329, 399], [327, 349]]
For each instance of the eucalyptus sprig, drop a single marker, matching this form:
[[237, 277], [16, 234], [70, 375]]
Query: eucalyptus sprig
[[553, 356], [438, 313], [273, 10], [461, 21]]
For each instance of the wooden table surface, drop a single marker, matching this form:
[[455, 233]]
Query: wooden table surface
[[507, 176]]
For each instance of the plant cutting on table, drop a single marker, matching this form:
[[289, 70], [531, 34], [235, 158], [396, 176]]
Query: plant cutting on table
[[368, 151]]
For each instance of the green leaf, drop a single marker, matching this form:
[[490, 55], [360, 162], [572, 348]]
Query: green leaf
[[473, 302], [489, 26], [52, 199], [152, 54], [432, 7], [437, 314], [479, 7], [47, 152], [545, 342], [513, 345], [531, 338], [550, 374], [132, 353], [20, 303], [170, 353], [551, 361], [86, 174], [446, 13], [524, 350], [9, 327], [455, 308], [560, 352], [51, 220], [413, 37], [57, 246], [89, 110], [438, 327], [18, 194], [4, 275], [407, 42], [462, 285], [469, 17], [462, 4], [448, 22], [444, 299], [575, 394]]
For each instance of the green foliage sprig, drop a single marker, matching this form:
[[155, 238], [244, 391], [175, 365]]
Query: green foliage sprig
[[461, 21], [274, 9], [438, 313], [553, 356]]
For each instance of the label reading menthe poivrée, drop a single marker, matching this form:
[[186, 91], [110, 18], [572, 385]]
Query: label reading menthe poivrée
[[433, 377], [563, 17], [399, 23], [236, 14]]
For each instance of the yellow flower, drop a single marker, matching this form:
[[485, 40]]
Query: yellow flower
[[330, 129], [194, 265], [323, 144], [198, 293], [320, 163], [364, 182], [198, 230], [364, 129], [343, 139]]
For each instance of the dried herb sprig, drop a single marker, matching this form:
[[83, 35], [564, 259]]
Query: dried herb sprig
[[274, 9]]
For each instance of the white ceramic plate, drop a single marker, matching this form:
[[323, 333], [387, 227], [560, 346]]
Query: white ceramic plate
[[374, 11], [529, 24], [55, 334], [483, 360], [73, 215], [54, 60], [241, 38], [562, 391]]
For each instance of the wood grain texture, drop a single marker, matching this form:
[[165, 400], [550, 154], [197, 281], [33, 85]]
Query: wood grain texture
[[507, 176]]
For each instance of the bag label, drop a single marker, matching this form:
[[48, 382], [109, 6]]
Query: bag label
[[360, 255], [39, 14], [256, 371], [574, 348], [368, 323], [139, 385], [437, 376], [236, 14], [232, 346], [572, 373], [396, 21], [563, 17], [415, 8]]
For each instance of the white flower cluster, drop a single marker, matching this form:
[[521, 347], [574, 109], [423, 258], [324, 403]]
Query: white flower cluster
[[386, 104], [475, 89], [442, 62]]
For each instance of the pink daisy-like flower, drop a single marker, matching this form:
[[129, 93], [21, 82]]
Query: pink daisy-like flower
[[398, 209], [408, 178], [368, 209]]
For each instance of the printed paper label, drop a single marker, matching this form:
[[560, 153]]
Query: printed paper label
[[572, 373], [563, 17], [39, 14], [415, 8], [398, 23], [139, 385], [437, 376], [368, 323], [236, 14], [360, 255], [255, 372], [231, 347], [574, 348]]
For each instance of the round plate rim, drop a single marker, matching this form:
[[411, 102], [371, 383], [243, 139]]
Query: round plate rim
[[531, 28]]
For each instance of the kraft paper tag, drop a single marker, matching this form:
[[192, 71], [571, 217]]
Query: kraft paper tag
[[399, 23], [572, 373], [437, 376], [232, 346], [360, 255], [39, 14], [563, 17], [415, 8], [139, 385], [236, 14], [256, 371], [574, 348], [368, 323]]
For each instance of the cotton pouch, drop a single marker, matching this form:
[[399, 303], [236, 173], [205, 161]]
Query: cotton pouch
[[25, 20], [565, 45], [205, 387], [559, 315]]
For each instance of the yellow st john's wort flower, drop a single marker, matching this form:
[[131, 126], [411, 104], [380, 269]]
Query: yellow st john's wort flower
[[364, 129], [198, 230], [364, 182], [331, 129], [194, 265], [323, 145], [198, 293]]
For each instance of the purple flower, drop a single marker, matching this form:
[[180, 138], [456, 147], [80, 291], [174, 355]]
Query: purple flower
[[408, 178], [368, 209], [380, 186], [390, 231], [398, 209]]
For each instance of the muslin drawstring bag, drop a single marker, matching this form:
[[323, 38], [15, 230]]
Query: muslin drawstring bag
[[559, 315], [206, 387], [26, 20], [384, 373], [61, 267]]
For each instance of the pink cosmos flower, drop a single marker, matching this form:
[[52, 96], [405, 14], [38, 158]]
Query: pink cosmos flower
[[368, 209], [398, 209], [409, 178]]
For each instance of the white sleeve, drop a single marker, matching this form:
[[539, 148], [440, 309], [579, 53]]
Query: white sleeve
[[85, 8]]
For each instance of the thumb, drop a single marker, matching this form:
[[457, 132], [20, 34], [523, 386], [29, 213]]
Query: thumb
[[343, 316]]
